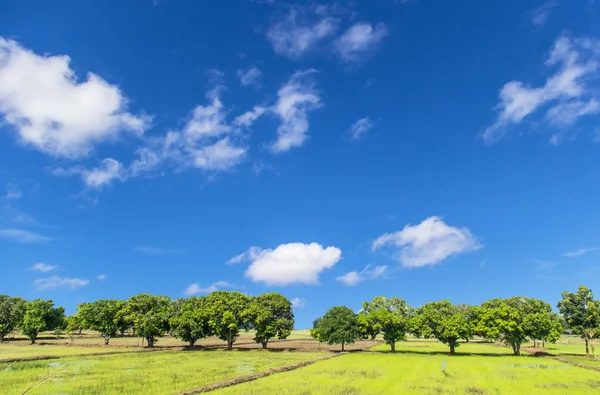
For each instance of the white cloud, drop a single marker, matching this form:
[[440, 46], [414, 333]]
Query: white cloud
[[354, 278], [101, 277], [295, 99], [251, 254], [580, 252], [59, 282], [360, 41], [23, 236], [42, 267], [298, 303], [540, 15], [109, 170], [249, 117], [159, 251], [292, 263], [567, 91], [250, 77], [300, 31], [13, 192], [195, 289], [360, 127], [429, 243], [40, 97]]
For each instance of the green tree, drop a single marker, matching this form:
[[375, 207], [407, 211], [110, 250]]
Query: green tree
[[271, 316], [543, 326], [149, 315], [190, 321], [102, 316], [75, 324], [443, 321], [582, 314], [390, 317], [12, 311], [228, 313], [339, 325], [41, 315], [315, 332]]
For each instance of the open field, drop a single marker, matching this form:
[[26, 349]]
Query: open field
[[435, 347], [369, 373], [162, 372], [12, 351]]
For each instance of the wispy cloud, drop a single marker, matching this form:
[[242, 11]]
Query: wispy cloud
[[159, 251], [540, 15], [195, 289], [360, 41], [354, 278], [23, 236], [13, 192], [580, 252], [250, 77], [298, 303], [43, 267], [101, 277], [360, 127], [59, 282]]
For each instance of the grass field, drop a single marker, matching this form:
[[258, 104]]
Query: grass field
[[162, 372], [379, 373], [11, 351], [435, 347]]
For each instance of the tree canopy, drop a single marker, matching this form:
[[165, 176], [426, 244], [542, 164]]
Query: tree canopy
[[339, 325], [228, 313], [582, 314], [12, 311], [190, 320], [271, 316], [443, 321], [102, 316], [149, 315], [41, 315], [387, 316]]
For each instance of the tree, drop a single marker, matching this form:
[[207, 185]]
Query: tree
[[74, 324], [513, 320], [443, 321], [543, 326], [387, 316], [189, 321], [339, 325], [102, 316], [228, 313], [12, 311], [41, 315], [582, 314], [149, 315], [271, 316], [315, 332]]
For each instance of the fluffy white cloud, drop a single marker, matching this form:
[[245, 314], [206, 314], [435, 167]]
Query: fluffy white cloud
[[580, 252], [41, 97], [359, 41], [360, 127], [298, 303], [540, 15], [568, 91], [59, 282], [195, 289], [42, 267], [354, 278], [13, 192], [429, 242], [295, 99], [23, 236], [101, 277], [292, 263], [250, 77]]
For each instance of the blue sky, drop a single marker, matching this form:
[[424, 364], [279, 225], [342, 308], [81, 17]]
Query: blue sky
[[332, 152]]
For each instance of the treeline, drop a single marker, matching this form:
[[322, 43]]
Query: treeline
[[222, 314], [513, 321]]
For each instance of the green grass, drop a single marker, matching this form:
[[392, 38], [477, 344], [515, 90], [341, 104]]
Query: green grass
[[562, 348], [161, 372], [434, 346], [382, 373], [8, 351]]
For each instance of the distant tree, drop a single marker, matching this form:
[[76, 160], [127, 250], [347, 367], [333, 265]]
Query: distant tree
[[514, 320], [190, 320], [75, 324], [390, 317], [543, 327], [228, 313], [12, 311], [582, 314], [315, 332], [339, 325], [149, 315], [41, 315], [472, 315], [271, 316], [102, 316], [443, 321]]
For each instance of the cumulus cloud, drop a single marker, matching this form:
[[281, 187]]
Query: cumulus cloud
[[354, 278], [360, 41], [429, 242], [567, 92], [59, 282], [23, 236], [250, 77], [195, 289], [298, 303], [360, 127], [292, 263], [42, 99], [42, 267], [296, 99], [580, 252]]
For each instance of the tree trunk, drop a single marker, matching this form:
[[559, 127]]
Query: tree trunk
[[587, 348], [393, 346], [106, 340], [452, 347], [544, 343], [150, 340], [122, 332], [516, 349], [264, 344], [230, 344], [534, 344], [33, 337], [1, 337], [192, 342], [342, 346]]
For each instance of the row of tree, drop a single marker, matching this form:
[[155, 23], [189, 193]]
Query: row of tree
[[512, 321], [221, 314]]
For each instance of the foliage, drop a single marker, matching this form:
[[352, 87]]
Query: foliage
[[315, 332], [271, 316], [389, 317], [149, 315], [102, 316], [227, 313], [75, 324], [41, 315], [12, 311], [339, 325], [582, 314], [443, 321], [189, 321]]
